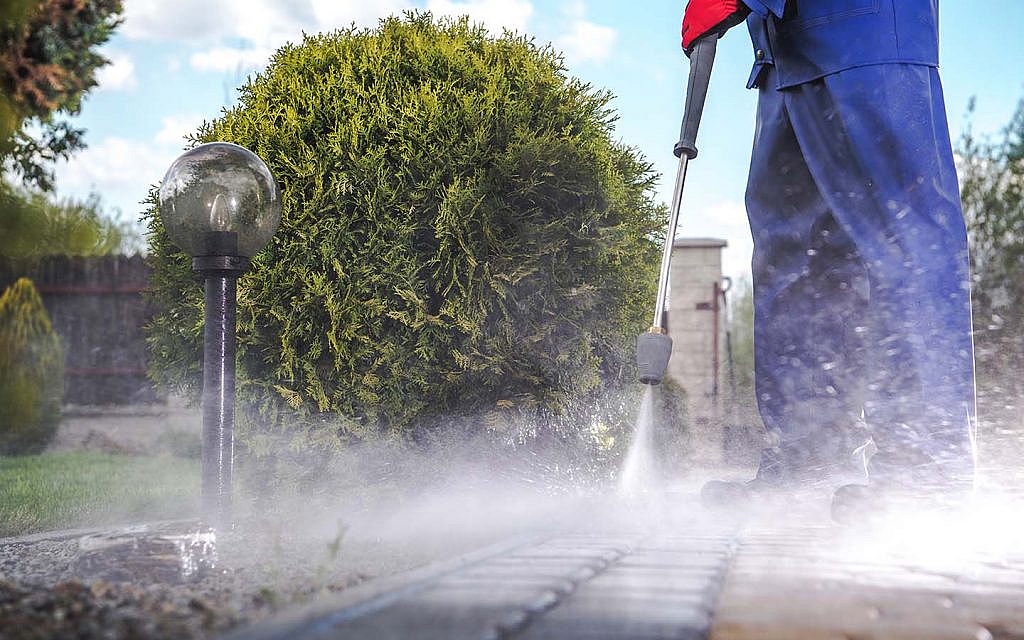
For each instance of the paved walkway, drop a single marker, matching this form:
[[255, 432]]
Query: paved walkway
[[911, 579]]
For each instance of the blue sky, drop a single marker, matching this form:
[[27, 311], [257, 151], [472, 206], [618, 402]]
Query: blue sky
[[176, 63]]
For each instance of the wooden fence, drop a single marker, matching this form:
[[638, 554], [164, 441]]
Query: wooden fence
[[97, 308]]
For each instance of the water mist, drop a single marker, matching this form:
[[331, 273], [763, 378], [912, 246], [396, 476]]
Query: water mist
[[637, 475]]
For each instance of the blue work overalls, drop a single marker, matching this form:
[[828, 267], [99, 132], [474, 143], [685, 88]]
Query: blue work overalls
[[860, 266]]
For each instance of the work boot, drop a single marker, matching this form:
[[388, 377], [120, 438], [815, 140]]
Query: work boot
[[896, 485], [782, 471], [771, 479]]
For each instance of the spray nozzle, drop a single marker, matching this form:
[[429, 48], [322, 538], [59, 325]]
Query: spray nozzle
[[653, 350]]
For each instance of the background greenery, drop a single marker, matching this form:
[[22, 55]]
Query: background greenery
[[992, 188], [34, 224]]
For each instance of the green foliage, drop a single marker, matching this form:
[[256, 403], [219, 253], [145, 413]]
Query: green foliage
[[461, 238], [741, 330], [992, 190], [48, 62], [32, 224], [743, 426], [31, 372]]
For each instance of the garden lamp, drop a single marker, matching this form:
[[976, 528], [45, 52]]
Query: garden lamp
[[220, 204]]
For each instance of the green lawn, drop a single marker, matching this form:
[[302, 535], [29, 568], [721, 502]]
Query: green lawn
[[80, 489]]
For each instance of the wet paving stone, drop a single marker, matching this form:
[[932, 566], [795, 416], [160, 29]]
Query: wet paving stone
[[629, 618], [565, 587], [806, 581], [833, 585]]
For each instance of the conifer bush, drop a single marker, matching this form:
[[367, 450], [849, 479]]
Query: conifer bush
[[461, 237], [31, 372]]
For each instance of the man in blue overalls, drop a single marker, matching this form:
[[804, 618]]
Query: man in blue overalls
[[860, 267]]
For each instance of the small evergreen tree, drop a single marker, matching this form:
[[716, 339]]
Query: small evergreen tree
[[460, 237], [31, 372]]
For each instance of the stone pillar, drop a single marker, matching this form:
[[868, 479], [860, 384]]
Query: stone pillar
[[696, 323]]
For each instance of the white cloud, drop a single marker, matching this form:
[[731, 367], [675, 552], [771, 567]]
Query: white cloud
[[114, 163], [575, 9], [334, 14], [231, 59], [585, 41], [119, 74], [266, 23], [119, 169], [588, 42], [726, 219], [494, 14], [174, 128], [240, 35], [189, 21]]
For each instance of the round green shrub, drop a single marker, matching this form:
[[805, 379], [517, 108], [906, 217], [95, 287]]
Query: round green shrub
[[461, 237], [31, 372]]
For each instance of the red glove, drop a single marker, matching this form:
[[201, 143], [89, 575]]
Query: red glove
[[704, 17]]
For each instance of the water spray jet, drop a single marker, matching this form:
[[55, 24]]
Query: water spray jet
[[220, 204]]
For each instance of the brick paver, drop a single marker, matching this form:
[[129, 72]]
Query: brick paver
[[705, 580]]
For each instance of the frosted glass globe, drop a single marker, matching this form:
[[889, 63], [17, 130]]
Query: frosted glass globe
[[219, 194]]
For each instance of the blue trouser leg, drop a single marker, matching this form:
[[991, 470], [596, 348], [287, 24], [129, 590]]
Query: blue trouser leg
[[810, 291], [861, 273]]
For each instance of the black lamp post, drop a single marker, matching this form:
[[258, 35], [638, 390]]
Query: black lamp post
[[220, 204]]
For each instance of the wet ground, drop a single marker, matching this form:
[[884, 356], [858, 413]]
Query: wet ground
[[579, 568], [786, 572], [135, 582]]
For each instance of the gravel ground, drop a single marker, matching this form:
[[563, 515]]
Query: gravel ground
[[55, 586], [44, 592]]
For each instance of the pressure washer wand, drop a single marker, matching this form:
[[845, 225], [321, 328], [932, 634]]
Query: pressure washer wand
[[654, 347]]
